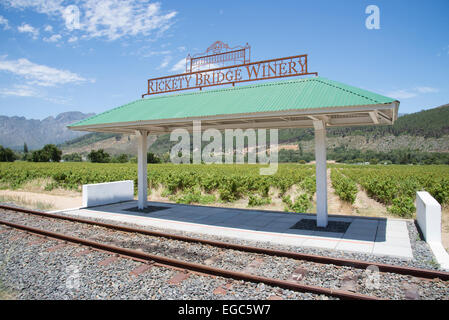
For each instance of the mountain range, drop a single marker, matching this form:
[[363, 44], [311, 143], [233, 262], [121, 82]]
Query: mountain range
[[426, 131], [15, 131]]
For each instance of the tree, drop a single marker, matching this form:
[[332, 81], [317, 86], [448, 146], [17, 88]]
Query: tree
[[99, 156], [40, 156], [53, 152], [27, 157], [72, 157], [122, 158], [152, 158], [48, 153], [165, 157], [6, 155], [25, 148]]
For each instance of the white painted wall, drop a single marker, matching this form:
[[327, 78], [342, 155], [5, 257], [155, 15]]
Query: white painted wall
[[428, 215], [108, 192]]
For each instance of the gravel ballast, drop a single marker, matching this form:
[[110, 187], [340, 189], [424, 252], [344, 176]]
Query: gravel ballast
[[388, 285], [422, 254], [34, 272]]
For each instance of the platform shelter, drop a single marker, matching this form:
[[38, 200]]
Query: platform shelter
[[313, 102]]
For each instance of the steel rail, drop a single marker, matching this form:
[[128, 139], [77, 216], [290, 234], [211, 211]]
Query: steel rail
[[416, 272], [196, 267]]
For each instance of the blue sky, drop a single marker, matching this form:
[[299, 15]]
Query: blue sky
[[50, 64]]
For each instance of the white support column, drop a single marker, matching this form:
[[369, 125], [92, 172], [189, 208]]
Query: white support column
[[142, 176], [321, 173]]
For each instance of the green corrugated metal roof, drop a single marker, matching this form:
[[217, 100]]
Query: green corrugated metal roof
[[299, 94]]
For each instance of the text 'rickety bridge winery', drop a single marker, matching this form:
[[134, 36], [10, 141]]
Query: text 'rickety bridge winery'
[[242, 71]]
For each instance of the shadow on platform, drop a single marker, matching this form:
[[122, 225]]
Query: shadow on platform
[[339, 227]]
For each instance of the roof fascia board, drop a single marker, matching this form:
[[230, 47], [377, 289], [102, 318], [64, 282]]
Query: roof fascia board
[[268, 126], [255, 125]]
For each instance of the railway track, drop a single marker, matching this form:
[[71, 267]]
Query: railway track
[[192, 249]]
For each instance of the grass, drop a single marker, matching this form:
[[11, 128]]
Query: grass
[[22, 202], [434, 263]]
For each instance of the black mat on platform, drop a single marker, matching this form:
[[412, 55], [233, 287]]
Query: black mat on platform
[[332, 226], [148, 209]]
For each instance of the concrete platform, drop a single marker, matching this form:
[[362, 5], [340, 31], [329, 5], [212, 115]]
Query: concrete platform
[[378, 236]]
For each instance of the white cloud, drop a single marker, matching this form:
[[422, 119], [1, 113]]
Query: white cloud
[[48, 28], [401, 94], [147, 51], [53, 38], [49, 7], [73, 39], [110, 19], [411, 93], [40, 74], [445, 50], [180, 66], [114, 19], [4, 23], [19, 91], [165, 62], [426, 90], [26, 28]]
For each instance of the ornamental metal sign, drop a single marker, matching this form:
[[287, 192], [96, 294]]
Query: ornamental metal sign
[[218, 54], [221, 65]]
